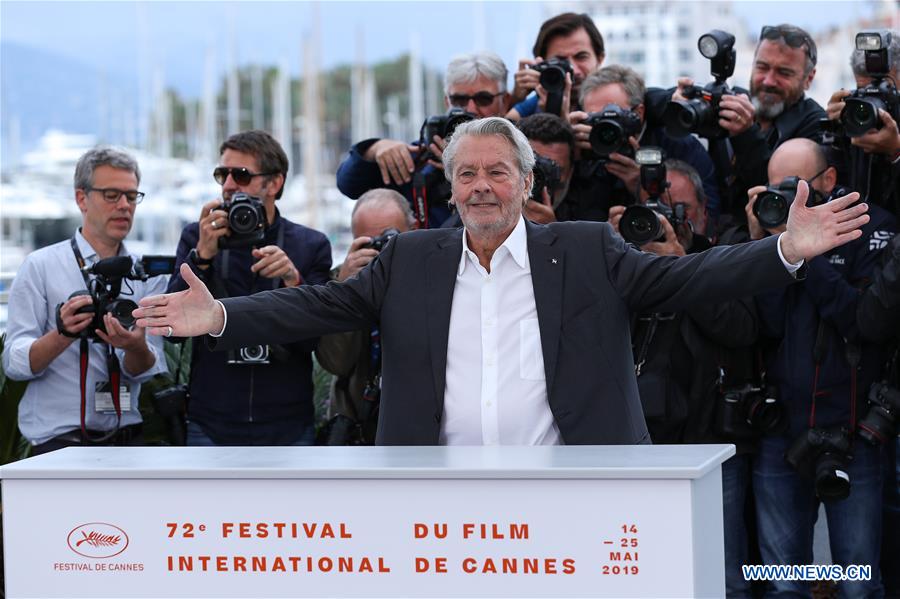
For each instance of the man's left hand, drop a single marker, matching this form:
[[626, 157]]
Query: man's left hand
[[736, 114], [880, 141], [813, 231], [119, 337], [437, 147], [626, 168], [273, 263], [670, 246]]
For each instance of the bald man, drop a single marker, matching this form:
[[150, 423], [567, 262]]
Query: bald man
[[812, 327]]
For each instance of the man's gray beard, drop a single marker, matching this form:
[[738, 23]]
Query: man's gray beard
[[768, 112]]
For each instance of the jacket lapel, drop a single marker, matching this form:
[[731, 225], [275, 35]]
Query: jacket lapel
[[442, 263], [547, 277]]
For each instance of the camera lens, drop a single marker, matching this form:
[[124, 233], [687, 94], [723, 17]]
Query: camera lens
[[640, 225], [771, 209], [606, 137], [764, 414], [680, 119], [832, 480], [860, 115], [553, 79], [121, 311], [253, 353], [242, 219]]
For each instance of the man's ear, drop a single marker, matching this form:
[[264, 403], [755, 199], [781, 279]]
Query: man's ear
[[81, 200], [809, 79], [639, 110], [830, 177]]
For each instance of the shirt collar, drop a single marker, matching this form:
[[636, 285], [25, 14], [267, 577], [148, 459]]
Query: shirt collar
[[516, 244], [87, 250]]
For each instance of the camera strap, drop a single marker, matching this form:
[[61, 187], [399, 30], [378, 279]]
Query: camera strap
[[853, 354], [82, 265], [372, 391], [649, 333], [420, 198]]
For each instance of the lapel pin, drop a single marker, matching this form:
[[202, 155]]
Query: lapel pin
[[552, 260]]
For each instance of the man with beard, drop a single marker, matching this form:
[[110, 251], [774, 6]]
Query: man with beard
[[775, 110]]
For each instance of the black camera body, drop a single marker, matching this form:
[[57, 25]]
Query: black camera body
[[879, 425], [823, 455], [553, 79], [105, 287], [252, 355], [547, 174], [860, 113], [610, 130], [443, 125], [700, 112], [246, 219], [639, 224], [750, 411], [772, 205], [379, 242]]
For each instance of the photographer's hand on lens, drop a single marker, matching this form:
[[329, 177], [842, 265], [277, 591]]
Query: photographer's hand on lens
[[678, 94], [436, 147], [187, 313], [836, 104], [736, 114], [358, 256], [671, 246], [72, 322], [274, 263], [120, 337], [582, 131], [540, 212], [526, 79], [394, 160], [566, 97], [213, 225], [813, 231], [880, 141], [756, 230], [626, 168], [615, 215]]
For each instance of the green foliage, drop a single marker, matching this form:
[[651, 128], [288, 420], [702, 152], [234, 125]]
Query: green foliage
[[13, 446]]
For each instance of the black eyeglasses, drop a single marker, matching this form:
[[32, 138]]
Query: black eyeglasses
[[241, 175], [112, 195], [482, 99], [792, 38]]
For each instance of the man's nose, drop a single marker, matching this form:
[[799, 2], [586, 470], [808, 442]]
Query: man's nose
[[471, 106], [230, 184], [769, 80]]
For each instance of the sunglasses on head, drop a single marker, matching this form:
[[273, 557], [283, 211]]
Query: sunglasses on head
[[794, 39], [482, 99], [239, 174]]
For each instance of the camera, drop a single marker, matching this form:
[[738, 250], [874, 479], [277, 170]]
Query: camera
[[860, 113], [700, 113], [250, 355], [105, 287], [639, 224], [379, 242], [547, 175], [553, 79], [750, 411], [772, 205], [610, 130], [443, 125], [823, 455], [880, 423], [246, 219]]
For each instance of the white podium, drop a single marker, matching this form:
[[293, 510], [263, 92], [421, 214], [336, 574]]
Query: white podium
[[617, 521]]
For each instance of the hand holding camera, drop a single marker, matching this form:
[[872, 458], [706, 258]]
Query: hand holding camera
[[362, 251], [394, 160], [558, 99], [72, 316], [212, 228], [526, 78], [736, 114], [273, 262]]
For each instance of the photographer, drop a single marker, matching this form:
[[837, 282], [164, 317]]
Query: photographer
[[355, 357], [873, 156], [259, 395], [40, 345], [688, 358], [607, 135], [821, 370], [572, 46], [475, 85], [756, 123], [553, 140]]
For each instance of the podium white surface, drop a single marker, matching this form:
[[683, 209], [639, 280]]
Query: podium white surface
[[570, 521]]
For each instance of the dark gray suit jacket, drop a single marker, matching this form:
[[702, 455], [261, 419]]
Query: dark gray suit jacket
[[586, 282]]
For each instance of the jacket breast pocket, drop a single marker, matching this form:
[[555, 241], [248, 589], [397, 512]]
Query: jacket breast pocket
[[531, 357]]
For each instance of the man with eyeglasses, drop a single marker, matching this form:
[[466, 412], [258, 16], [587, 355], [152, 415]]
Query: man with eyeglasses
[[475, 83], [821, 367], [773, 111], [259, 395], [40, 345]]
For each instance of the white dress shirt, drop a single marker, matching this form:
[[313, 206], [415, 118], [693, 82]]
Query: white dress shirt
[[496, 392]]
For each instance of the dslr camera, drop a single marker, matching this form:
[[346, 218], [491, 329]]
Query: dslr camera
[[246, 219], [251, 355], [640, 224], [610, 130], [553, 79], [443, 125], [860, 113], [105, 287], [547, 175], [700, 113], [750, 411], [879, 425], [772, 205], [379, 242], [823, 455]]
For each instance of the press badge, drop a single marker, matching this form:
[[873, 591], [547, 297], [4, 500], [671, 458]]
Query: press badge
[[103, 398]]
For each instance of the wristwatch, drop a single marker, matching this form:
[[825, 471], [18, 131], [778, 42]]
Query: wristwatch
[[196, 260]]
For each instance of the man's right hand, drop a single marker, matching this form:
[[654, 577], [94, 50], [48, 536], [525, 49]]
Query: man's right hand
[[756, 230], [357, 258], [526, 79], [394, 160], [187, 313], [683, 83], [836, 104], [75, 323], [213, 226]]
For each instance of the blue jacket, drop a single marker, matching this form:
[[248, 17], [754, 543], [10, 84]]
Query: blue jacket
[[254, 404], [356, 176], [829, 294]]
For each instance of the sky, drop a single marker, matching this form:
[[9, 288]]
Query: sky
[[116, 37]]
